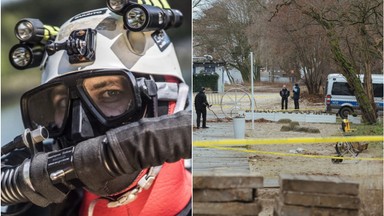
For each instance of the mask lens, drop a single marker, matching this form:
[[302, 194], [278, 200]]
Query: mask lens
[[49, 107], [112, 95]]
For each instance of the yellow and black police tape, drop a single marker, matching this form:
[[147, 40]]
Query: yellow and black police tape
[[226, 145]]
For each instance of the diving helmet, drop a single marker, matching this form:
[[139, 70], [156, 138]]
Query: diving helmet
[[100, 70]]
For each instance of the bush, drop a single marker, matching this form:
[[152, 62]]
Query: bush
[[207, 80]]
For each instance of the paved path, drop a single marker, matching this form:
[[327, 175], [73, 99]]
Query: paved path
[[216, 161], [213, 160], [209, 159]]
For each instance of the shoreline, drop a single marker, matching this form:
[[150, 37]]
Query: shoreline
[[15, 85]]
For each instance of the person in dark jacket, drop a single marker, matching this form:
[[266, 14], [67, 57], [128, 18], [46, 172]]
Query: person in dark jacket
[[296, 95], [201, 105], [284, 93]]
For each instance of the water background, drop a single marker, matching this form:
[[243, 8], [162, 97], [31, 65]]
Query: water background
[[11, 123]]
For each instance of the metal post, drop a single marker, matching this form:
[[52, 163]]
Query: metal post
[[252, 94], [223, 80]]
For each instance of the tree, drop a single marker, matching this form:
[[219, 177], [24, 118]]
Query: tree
[[221, 32], [354, 32], [291, 42]]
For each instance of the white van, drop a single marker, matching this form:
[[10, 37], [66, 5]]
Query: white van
[[340, 98]]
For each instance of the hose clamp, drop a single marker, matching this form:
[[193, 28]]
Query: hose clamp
[[27, 175]]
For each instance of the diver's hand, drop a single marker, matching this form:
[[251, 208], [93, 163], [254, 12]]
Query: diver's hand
[[104, 165], [108, 164]]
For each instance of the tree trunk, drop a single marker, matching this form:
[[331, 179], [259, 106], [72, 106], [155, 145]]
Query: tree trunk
[[347, 69], [350, 73], [368, 86]]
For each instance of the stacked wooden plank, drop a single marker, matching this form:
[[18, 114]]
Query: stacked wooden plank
[[226, 194], [307, 195]]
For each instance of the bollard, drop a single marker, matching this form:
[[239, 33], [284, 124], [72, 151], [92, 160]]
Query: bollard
[[239, 127]]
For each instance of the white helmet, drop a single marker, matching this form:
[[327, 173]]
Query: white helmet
[[148, 52]]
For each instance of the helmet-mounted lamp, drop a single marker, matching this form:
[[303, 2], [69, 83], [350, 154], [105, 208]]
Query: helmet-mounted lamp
[[117, 6], [28, 29], [149, 18], [34, 31], [23, 56], [32, 35]]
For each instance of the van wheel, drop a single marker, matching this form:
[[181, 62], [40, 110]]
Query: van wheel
[[345, 111]]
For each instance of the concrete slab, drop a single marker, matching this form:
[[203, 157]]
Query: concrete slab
[[281, 209], [318, 184], [299, 117], [320, 200], [226, 208], [223, 195], [321, 118], [226, 180]]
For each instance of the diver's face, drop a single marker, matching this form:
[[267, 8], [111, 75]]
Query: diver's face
[[100, 100], [111, 94]]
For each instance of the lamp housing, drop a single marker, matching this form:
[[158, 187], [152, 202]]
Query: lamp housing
[[150, 18], [29, 30], [23, 56], [117, 6]]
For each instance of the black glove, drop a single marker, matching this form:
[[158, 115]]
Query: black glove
[[104, 165], [134, 147]]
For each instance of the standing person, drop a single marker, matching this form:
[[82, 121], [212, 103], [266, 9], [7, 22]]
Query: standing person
[[296, 95], [284, 93], [117, 142], [201, 105]]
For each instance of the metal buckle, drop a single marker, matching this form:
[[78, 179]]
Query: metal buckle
[[144, 183], [125, 198]]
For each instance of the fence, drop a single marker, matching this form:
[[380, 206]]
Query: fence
[[213, 98]]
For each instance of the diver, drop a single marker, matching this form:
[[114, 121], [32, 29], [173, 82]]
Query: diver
[[108, 130]]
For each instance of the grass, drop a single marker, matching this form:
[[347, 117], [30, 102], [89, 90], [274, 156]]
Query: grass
[[371, 188], [370, 130]]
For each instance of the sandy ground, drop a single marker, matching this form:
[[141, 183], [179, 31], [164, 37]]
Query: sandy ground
[[368, 173]]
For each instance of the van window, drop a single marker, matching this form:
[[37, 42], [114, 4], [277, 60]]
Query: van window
[[341, 88], [378, 90]]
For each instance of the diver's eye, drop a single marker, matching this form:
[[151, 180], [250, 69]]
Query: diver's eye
[[112, 95]]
